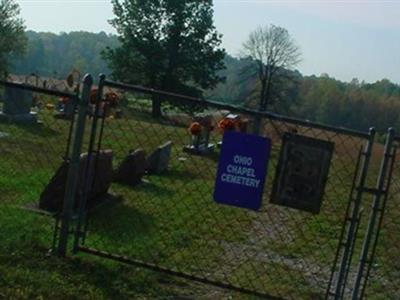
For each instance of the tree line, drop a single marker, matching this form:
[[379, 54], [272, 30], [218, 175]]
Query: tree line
[[55, 55], [355, 104]]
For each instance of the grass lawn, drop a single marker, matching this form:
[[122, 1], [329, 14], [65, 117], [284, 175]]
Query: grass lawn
[[169, 220]]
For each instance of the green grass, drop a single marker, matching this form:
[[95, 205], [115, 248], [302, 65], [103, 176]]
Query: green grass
[[170, 220]]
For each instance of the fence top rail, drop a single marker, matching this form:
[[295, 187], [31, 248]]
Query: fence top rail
[[219, 105], [32, 88]]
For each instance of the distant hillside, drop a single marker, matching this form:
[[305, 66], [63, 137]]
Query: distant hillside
[[55, 55], [354, 104], [324, 99]]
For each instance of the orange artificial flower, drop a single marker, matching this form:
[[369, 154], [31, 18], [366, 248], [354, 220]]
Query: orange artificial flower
[[93, 96], [64, 100], [112, 99], [195, 128], [226, 124]]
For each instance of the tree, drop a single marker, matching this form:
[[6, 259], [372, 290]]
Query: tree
[[166, 44], [273, 51], [12, 36]]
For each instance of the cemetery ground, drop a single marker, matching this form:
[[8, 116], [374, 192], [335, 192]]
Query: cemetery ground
[[170, 219]]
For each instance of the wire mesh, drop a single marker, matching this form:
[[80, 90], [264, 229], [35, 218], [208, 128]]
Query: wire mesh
[[384, 273], [34, 140], [170, 222]]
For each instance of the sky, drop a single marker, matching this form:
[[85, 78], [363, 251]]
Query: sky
[[345, 39]]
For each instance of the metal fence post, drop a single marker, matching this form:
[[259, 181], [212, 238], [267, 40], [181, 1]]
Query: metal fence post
[[376, 209], [346, 258], [89, 179], [73, 171]]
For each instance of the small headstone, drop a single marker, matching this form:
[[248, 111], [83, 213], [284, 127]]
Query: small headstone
[[17, 105], [158, 161], [52, 197], [132, 168]]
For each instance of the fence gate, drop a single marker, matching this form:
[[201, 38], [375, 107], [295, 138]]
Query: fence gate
[[379, 265], [167, 220], [35, 134]]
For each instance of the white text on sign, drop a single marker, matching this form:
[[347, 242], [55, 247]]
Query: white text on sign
[[241, 172]]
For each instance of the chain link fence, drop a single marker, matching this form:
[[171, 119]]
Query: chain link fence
[[34, 139], [384, 266], [168, 221], [159, 212]]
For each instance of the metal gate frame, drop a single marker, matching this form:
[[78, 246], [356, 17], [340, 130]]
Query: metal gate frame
[[345, 250], [342, 264], [59, 237], [351, 225]]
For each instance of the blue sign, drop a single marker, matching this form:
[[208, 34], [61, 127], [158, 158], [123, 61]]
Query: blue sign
[[242, 169]]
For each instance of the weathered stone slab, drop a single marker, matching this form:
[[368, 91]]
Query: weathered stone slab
[[132, 168], [52, 198], [158, 161], [17, 101], [17, 105]]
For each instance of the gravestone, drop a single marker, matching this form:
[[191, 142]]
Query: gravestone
[[158, 161], [17, 105], [132, 168], [52, 197]]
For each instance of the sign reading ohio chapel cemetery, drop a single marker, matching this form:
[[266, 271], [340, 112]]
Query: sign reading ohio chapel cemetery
[[242, 169]]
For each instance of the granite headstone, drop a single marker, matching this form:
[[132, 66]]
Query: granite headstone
[[99, 179], [17, 105], [132, 168], [158, 161]]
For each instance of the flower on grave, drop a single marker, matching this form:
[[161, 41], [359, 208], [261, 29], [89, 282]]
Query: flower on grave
[[195, 128], [226, 124], [93, 96], [64, 100], [112, 99]]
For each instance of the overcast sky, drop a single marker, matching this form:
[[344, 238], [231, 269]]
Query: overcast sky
[[345, 39]]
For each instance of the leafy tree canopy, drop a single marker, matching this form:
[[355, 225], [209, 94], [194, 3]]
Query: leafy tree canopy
[[166, 44], [12, 37], [274, 51]]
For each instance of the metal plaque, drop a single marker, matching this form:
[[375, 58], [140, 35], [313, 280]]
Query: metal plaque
[[302, 172]]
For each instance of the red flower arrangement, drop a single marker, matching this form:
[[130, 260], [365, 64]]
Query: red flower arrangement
[[227, 124], [195, 128], [64, 100], [93, 96], [112, 99]]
